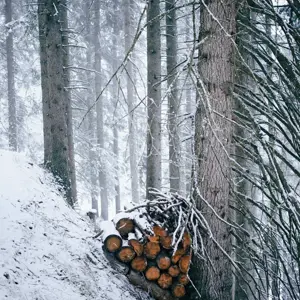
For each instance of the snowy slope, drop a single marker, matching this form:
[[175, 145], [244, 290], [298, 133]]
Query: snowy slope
[[46, 249]]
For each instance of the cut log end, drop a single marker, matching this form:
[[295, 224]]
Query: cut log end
[[151, 250], [163, 261], [184, 263], [174, 271], [153, 239], [126, 254], [139, 264], [186, 240], [165, 281], [178, 290], [153, 273], [159, 231], [125, 226], [137, 247], [183, 279], [166, 242], [113, 243], [177, 255]]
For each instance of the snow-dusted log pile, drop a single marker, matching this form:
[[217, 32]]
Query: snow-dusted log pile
[[154, 244]]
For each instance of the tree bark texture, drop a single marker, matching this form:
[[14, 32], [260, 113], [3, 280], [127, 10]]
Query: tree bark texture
[[56, 102], [99, 108], [213, 137], [116, 24], [11, 95], [153, 178], [128, 28], [69, 113], [173, 100], [91, 115]]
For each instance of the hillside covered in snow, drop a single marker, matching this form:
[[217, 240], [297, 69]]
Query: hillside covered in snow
[[46, 249]]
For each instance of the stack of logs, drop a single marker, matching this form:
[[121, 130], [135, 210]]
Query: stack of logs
[[151, 254]]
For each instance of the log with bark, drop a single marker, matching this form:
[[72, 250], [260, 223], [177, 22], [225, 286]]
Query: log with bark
[[139, 263], [125, 226], [183, 279], [159, 231], [126, 254], [151, 250], [174, 271], [137, 246], [165, 280], [112, 240], [177, 255], [152, 273], [166, 242], [163, 261], [184, 263], [178, 290]]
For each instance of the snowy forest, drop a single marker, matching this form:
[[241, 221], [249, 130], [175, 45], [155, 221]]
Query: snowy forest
[[187, 112]]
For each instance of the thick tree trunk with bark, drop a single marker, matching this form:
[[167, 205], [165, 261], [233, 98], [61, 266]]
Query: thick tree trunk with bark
[[128, 8], [42, 17], [99, 108], [115, 88], [153, 179], [173, 100], [56, 101], [69, 113], [91, 117], [11, 95], [188, 110], [213, 139]]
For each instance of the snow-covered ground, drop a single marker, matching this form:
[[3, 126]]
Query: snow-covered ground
[[46, 249]]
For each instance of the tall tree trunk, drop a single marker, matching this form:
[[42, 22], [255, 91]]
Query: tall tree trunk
[[99, 108], [69, 113], [42, 19], [173, 101], [115, 62], [213, 138], [52, 17], [128, 8], [12, 115], [91, 118], [153, 178], [243, 284], [189, 103]]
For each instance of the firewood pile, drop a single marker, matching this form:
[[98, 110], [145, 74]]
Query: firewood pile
[[155, 240], [150, 250]]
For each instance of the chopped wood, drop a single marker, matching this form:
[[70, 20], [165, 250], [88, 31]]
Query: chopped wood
[[125, 226], [177, 255], [126, 254], [111, 238], [137, 246], [174, 271], [153, 239], [151, 287], [159, 231], [151, 250], [186, 240], [183, 279], [178, 290], [166, 242], [163, 261], [184, 263], [152, 273], [139, 263], [165, 280]]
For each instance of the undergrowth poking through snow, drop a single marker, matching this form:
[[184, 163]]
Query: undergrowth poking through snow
[[46, 249]]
